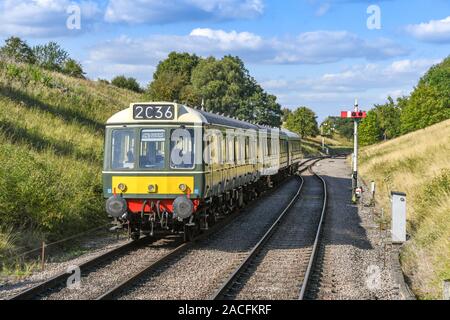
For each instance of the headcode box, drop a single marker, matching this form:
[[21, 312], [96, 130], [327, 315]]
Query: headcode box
[[398, 217]]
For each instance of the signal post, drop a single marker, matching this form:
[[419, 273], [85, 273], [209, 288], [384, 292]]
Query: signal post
[[357, 116]]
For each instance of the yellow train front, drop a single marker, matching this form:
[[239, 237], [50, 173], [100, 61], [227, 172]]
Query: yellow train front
[[171, 168]]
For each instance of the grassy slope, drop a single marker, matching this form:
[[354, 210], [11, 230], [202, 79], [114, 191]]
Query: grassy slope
[[51, 144], [418, 164], [313, 146]]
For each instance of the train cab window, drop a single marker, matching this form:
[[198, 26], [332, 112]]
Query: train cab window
[[182, 149], [123, 149], [152, 149]]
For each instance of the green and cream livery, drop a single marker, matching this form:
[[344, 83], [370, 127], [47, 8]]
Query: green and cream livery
[[173, 168]]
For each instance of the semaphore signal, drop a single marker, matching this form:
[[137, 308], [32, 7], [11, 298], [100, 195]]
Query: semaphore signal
[[353, 114], [357, 116]]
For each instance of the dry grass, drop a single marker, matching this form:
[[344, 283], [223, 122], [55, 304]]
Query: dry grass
[[313, 146], [418, 164]]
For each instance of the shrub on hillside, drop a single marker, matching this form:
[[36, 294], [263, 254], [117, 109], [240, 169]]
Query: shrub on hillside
[[49, 56], [73, 68], [17, 50], [126, 83]]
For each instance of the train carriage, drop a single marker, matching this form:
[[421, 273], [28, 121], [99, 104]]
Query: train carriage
[[174, 168]]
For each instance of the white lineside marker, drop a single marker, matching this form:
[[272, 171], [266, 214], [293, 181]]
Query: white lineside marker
[[398, 217], [446, 289]]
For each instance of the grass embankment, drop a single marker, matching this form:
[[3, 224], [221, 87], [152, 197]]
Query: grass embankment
[[51, 145], [337, 145], [418, 164]]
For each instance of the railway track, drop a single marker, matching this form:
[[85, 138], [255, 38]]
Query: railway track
[[169, 260], [60, 279], [280, 264], [49, 289], [163, 262]]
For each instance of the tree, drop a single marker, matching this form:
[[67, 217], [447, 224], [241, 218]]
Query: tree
[[18, 50], [343, 127], [171, 77], [126, 83], [304, 122], [429, 103], [286, 112], [167, 87], [51, 56], [370, 131], [388, 116], [221, 84], [73, 68], [225, 86]]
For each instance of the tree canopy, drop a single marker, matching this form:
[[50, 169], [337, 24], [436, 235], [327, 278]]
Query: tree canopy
[[304, 122], [343, 127], [51, 56], [222, 86], [430, 101], [18, 50]]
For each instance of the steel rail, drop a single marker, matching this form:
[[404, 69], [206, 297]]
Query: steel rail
[[62, 277], [313, 257], [257, 248], [130, 281]]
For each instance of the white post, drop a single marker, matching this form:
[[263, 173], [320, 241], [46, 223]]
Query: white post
[[446, 285], [355, 154], [372, 190], [398, 217]]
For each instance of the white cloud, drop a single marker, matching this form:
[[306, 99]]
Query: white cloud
[[323, 9], [275, 84], [229, 40], [160, 11], [332, 46], [307, 48], [432, 31], [371, 83], [43, 18], [359, 78]]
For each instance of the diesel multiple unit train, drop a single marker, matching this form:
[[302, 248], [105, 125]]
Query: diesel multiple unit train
[[172, 168]]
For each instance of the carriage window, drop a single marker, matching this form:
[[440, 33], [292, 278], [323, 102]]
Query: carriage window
[[182, 149], [123, 149], [230, 155], [152, 149]]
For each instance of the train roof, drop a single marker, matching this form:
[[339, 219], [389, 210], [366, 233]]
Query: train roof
[[184, 114], [290, 134]]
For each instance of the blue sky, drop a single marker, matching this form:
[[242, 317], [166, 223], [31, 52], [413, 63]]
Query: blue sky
[[318, 53]]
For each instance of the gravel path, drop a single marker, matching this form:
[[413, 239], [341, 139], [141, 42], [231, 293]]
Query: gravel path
[[355, 262], [277, 272], [200, 271]]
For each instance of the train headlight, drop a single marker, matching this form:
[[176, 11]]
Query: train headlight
[[183, 207], [116, 206], [122, 187], [183, 187], [152, 188]]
